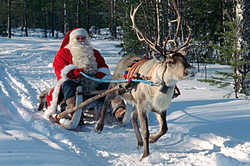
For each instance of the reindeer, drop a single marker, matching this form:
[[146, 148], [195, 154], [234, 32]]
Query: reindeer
[[163, 71]]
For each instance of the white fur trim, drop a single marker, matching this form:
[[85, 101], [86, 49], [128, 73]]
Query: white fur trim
[[104, 70], [78, 32], [52, 108], [67, 69]]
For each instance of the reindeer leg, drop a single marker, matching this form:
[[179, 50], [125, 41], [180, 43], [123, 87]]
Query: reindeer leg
[[100, 124], [163, 127], [145, 132], [134, 118]]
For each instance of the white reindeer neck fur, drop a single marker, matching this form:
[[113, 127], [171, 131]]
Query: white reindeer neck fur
[[169, 78]]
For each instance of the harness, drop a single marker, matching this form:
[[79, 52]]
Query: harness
[[133, 69]]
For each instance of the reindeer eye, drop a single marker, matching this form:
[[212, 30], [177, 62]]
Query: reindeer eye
[[171, 62]]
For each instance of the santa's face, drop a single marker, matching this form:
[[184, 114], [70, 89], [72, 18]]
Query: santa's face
[[79, 41], [82, 39]]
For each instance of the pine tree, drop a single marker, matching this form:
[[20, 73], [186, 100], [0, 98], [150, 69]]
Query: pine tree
[[229, 55], [130, 41]]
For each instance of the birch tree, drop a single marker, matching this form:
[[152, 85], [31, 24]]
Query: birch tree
[[243, 38]]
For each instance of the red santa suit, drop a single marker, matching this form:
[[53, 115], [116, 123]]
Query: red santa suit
[[67, 62]]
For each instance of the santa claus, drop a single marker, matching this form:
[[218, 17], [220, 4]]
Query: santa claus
[[74, 56]]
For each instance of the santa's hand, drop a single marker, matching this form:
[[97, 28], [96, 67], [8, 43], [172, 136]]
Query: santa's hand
[[75, 73], [100, 75]]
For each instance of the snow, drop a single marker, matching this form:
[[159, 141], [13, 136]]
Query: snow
[[205, 128]]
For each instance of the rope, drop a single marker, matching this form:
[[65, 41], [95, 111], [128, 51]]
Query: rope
[[117, 81]]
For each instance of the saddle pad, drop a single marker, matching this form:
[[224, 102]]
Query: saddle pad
[[132, 69]]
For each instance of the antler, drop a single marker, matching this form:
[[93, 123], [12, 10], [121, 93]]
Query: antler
[[155, 45], [186, 43], [139, 34], [178, 20]]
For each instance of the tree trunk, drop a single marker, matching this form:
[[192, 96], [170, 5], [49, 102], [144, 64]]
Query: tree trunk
[[113, 19], [87, 16], [52, 19], [222, 19], [45, 22], [65, 24], [157, 22], [25, 19], [78, 13], [9, 18], [243, 37], [246, 45]]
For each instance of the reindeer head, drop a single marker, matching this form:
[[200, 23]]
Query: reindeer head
[[171, 54], [176, 67]]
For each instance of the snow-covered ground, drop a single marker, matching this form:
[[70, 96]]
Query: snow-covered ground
[[205, 128]]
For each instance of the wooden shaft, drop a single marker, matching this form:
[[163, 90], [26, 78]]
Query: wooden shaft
[[88, 101]]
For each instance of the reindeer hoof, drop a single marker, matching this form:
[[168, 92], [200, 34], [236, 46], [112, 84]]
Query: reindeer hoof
[[139, 145], [144, 156], [152, 140], [99, 127]]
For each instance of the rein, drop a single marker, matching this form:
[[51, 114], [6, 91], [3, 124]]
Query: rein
[[134, 77], [164, 87], [117, 81]]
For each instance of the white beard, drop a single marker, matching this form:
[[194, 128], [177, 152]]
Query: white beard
[[83, 56]]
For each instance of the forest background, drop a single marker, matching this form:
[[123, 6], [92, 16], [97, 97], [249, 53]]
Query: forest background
[[220, 28]]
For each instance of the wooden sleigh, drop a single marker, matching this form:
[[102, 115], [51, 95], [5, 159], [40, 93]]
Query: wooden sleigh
[[86, 110], [82, 106]]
